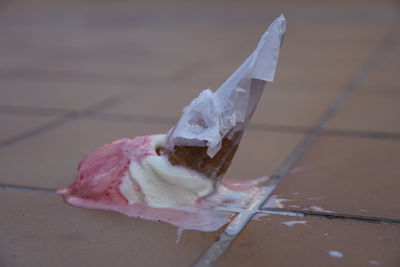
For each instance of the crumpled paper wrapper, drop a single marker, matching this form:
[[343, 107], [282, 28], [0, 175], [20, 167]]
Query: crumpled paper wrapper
[[215, 115]]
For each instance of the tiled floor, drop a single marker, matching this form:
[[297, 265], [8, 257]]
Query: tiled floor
[[40, 230], [293, 241], [347, 175], [75, 75]]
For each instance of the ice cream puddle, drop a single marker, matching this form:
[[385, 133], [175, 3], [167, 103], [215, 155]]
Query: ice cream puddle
[[374, 262], [292, 223], [319, 209], [316, 198], [335, 254], [126, 176], [275, 201], [177, 177]]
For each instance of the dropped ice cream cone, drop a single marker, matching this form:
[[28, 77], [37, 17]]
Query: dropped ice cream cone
[[210, 129], [137, 177]]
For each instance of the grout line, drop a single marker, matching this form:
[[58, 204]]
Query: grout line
[[33, 111], [35, 131], [63, 120], [37, 74], [101, 116], [279, 128], [225, 237], [21, 188], [277, 211], [132, 118], [362, 134], [330, 215], [219, 247]]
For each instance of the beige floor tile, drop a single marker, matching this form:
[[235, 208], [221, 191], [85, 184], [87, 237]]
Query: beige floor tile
[[392, 59], [261, 153], [295, 108], [345, 175], [391, 55], [72, 66], [40, 230], [369, 112], [328, 76], [50, 159], [12, 125], [165, 101], [383, 79], [346, 35], [382, 90], [269, 242]]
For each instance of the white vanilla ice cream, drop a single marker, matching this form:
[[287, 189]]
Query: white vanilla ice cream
[[161, 183]]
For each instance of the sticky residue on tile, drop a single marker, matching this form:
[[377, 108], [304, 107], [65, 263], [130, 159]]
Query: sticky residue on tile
[[261, 214], [275, 202], [317, 208], [300, 169], [247, 213], [374, 262], [291, 223], [335, 254], [179, 232], [316, 198]]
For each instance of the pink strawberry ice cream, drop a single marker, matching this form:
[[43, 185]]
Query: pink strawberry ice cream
[[128, 176]]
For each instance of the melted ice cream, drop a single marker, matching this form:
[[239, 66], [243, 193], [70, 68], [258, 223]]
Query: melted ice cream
[[156, 182]]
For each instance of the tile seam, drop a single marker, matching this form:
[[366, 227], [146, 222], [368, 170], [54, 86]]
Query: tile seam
[[262, 127], [21, 188], [58, 76], [108, 102], [33, 111], [34, 132], [211, 255], [330, 215], [277, 211]]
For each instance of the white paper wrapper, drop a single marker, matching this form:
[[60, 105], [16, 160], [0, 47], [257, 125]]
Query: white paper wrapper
[[211, 116]]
